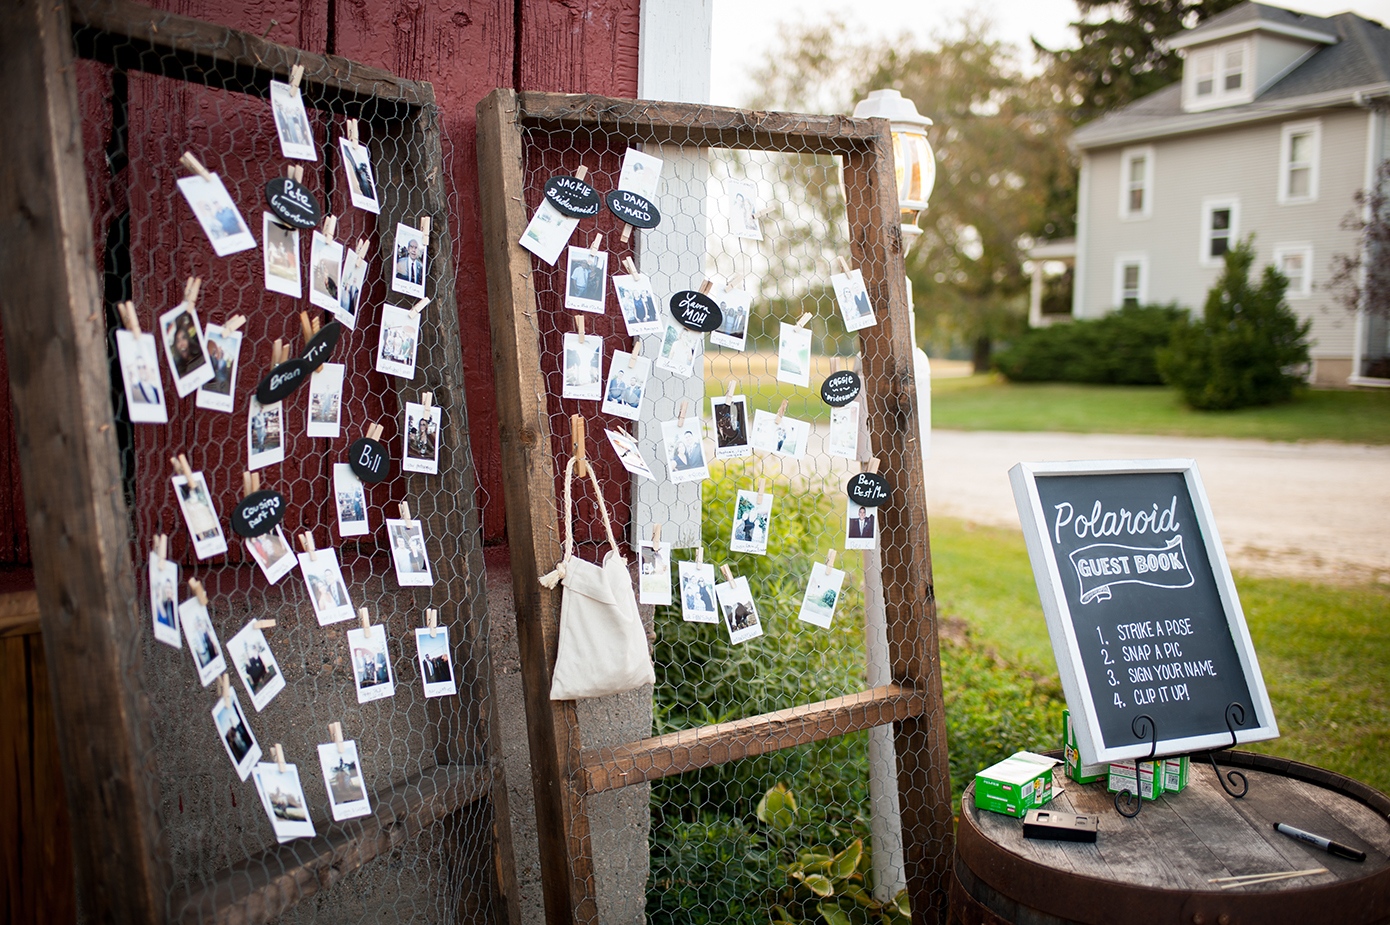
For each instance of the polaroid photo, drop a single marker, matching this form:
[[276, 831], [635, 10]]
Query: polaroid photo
[[185, 348], [420, 439], [743, 209], [371, 663], [740, 612], [144, 393], [436, 663], [730, 427], [325, 271], [164, 601], [237, 737], [787, 437], [273, 554], [408, 262], [224, 353], [654, 572], [265, 434], [548, 232], [681, 348], [697, 593], [357, 166], [822, 594], [221, 219], [283, 798], [204, 528], [752, 522], [638, 304], [629, 455], [641, 173], [794, 355], [256, 664], [584, 283], [350, 498], [342, 778], [280, 254], [861, 525], [733, 330], [353, 279], [627, 382], [400, 335], [202, 641], [408, 553], [853, 299], [327, 590], [292, 122], [325, 401], [685, 452], [843, 439], [583, 367]]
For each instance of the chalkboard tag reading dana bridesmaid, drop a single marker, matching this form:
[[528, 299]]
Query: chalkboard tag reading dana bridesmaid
[[292, 202], [696, 310], [638, 211], [572, 196], [368, 457], [841, 388]]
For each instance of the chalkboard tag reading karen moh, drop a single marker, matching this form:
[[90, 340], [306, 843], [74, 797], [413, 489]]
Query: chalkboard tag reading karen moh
[[696, 311], [869, 489], [369, 460], [292, 203], [258, 513], [573, 197], [839, 389], [283, 380], [637, 211]]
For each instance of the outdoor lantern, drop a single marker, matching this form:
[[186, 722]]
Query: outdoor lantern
[[912, 154]]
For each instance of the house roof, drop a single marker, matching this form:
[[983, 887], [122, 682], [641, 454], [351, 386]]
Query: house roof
[[1357, 65], [1251, 16]]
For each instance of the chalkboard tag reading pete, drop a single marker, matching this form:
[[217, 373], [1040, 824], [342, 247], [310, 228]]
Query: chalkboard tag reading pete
[[696, 311], [839, 389], [369, 460], [573, 197], [283, 380], [258, 513], [869, 489], [637, 211], [292, 203]]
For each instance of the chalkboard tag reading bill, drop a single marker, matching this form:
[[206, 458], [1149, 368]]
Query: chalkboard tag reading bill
[[369, 458], [696, 310], [292, 203], [573, 197], [258, 513], [841, 388], [638, 211]]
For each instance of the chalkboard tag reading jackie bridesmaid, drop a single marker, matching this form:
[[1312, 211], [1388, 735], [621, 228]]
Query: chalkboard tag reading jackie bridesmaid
[[368, 458], [572, 196], [292, 202], [638, 211], [696, 310], [841, 388], [258, 513]]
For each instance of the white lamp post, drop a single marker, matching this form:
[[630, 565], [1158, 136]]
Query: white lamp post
[[912, 154]]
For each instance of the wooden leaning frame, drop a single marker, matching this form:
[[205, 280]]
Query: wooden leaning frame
[[55, 332], [564, 774]]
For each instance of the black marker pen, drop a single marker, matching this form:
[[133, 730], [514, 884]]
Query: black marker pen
[[1326, 844]]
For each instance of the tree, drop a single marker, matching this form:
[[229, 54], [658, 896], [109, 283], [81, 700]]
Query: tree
[[1348, 286]]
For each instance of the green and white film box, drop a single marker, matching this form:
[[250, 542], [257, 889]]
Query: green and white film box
[[1175, 774], [1149, 773], [1020, 782], [1081, 773]]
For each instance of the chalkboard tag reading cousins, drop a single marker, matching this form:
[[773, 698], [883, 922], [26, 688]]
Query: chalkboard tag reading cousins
[[869, 489], [320, 347], [282, 380], [368, 458], [696, 311], [637, 211], [292, 203], [258, 513], [573, 197], [839, 389]]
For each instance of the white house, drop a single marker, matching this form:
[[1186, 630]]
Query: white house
[[1272, 130]]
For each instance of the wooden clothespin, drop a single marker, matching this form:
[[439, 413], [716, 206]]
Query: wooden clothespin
[[869, 465], [581, 464], [419, 306], [596, 243], [233, 324], [306, 540], [374, 431], [427, 399], [729, 392], [265, 624], [195, 165], [278, 353], [160, 548], [404, 510], [432, 621], [636, 352], [365, 620], [656, 534], [330, 225], [306, 327], [250, 482], [279, 753], [361, 249], [728, 575], [781, 411], [830, 559], [629, 266], [579, 327], [190, 290], [351, 126], [128, 317], [801, 322], [762, 481], [296, 75], [224, 688], [336, 731], [706, 287], [199, 591], [627, 233], [180, 464], [581, 172], [844, 265], [296, 173], [699, 555], [425, 226], [680, 416]]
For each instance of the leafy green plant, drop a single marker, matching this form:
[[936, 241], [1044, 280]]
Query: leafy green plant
[[1118, 349]]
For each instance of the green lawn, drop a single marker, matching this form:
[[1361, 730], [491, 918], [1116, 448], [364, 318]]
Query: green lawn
[[990, 403], [1323, 650]]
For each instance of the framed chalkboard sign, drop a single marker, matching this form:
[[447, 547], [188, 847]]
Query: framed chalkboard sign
[[1140, 606]]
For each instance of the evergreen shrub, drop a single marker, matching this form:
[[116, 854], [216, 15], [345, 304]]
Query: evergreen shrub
[[1118, 349]]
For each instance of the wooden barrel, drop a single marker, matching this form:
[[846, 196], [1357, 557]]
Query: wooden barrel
[[1156, 868]]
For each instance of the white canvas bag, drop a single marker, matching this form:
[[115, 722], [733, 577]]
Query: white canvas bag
[[603, 645]]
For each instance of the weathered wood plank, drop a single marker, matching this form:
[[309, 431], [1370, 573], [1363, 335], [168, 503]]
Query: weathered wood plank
[[262, 887], [55, 340], [677, 752], [19, 613]]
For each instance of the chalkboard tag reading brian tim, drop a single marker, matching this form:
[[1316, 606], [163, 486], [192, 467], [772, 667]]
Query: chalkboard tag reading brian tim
[[696, 311], [572, 196], [839, 389], [258, 513], [869, 489], [292, 203], [638, 211], [282, 380], [369, 459], [318, 350]]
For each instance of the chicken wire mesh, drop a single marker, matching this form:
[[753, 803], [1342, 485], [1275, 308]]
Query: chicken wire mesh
[[423, 851]]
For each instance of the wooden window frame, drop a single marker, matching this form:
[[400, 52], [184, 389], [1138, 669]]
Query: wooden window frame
[[565, 774]]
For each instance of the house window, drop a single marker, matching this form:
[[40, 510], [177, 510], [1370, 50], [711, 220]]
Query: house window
[[1204, 65], [1219, 76], [1136, 183], [1300, 144], [1233, 67], [1295, 261], [1220, 229], [1131, 280]]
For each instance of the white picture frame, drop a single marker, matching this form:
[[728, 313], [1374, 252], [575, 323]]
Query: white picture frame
[[409, 261], [361, 180], [752, 522], [203, 644], [586, 280], [681, 350], [280, 257], [583, 367], [822, 595], [350, 500], [685, 450], [272, 553], [199, 516], [742, 209], [626, 385], [861, 525], [235, 734], [739, 610], [629, 454], [640, 173], [794, 354], [420, 438], [736, 306], [323, 412], [164, 601], [224, 354], [292, 122], [698, 602], [435, 658], [325, 271], [853, 299], [372, 673], [265, 433], [217, 214], [398, 341], [409, 553], [352, 282], [185, 348], [328, 593], [256, 665], [787, 437], [282, 798], [842, 440], [654, 572], [731, 430], [548, 232], [343, 780], [637, 302], [144, 390]]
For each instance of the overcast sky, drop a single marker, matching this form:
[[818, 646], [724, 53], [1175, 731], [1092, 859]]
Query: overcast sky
[[746, 30]]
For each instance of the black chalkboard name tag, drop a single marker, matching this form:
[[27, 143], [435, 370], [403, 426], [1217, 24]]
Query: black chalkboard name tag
[[318, 350], [292, 203], [638, 211], [258, 513], [282, 380], [869, 489], [839, 389], [696, 311], [369, 459], [572, 196]]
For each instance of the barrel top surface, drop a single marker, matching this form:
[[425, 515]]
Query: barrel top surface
[[1183, 840]]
